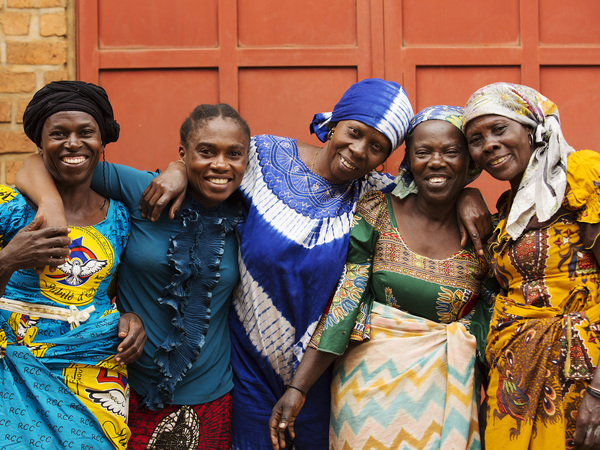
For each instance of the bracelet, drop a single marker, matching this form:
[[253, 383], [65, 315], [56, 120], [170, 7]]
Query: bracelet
[[593, 392], [304, 393]]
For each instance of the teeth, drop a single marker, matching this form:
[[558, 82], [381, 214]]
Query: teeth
[[218, 180], [437, 179], [74, 159], [347, 164], [498, 161]]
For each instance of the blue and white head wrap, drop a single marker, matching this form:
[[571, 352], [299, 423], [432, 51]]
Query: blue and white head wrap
[[380, 104], [405, 182]]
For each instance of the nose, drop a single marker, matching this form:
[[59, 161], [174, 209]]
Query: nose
[[490, 143], [436, 160], [358, 149], [73, 142], [219, 162]]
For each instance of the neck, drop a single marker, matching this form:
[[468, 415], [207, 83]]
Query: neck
[[435, 213], [82, 205]]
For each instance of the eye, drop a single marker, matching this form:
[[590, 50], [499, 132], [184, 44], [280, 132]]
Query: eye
[[353, 131], [235, 154], [56, 134], [499, 129], [376, 147], [88, 132], [205, 151], [474, 141]]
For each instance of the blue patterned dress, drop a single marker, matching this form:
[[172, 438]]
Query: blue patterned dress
[[61, 386], [293, 246]]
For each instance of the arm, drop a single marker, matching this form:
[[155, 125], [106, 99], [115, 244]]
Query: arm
[[284, 413], [474, 218], [34, 181], [33, 247], [169, 186]]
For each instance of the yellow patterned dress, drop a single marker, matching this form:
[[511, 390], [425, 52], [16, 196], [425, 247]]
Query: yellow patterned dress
[[544, 339], [410, 383]]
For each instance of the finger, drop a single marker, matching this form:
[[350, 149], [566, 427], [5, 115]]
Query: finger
[[153, 203], [274, 430], [159, 207], [145, 200], [464, 234], [35, 224], [176, 205]]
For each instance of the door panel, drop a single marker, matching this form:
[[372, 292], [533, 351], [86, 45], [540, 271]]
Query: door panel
[[278, 62]]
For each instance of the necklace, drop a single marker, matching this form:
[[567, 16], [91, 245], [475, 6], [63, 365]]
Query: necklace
[[314, 160]]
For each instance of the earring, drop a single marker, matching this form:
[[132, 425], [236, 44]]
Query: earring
[[330, 133], [531, 140]]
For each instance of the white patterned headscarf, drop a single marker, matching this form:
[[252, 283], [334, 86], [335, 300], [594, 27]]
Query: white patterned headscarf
[[544, 182]]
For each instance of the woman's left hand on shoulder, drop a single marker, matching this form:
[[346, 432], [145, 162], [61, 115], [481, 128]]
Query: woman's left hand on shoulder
[[131, 330]]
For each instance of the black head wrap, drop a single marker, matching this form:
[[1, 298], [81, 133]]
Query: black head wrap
[[70, 96]]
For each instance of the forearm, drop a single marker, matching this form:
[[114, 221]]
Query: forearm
[[312, 366], [6, 270], [35, 182]]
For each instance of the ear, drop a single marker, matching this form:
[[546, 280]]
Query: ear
[[182, 154], [40, 151]]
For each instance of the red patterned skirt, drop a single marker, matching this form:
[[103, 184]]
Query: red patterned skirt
[[203, 427]]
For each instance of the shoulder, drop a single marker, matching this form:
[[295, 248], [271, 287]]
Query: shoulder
[[583, 185]]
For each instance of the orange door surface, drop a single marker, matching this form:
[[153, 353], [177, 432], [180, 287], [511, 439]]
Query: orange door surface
[[280, 62]]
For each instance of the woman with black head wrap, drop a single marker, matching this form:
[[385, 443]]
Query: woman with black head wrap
[[62, 368]]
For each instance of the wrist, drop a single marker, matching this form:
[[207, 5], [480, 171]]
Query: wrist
[[296, 388]]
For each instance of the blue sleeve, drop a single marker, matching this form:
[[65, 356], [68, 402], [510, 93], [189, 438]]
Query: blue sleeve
[[122, 183]]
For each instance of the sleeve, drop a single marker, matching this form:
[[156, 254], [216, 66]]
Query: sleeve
[[122, 183], [348, 316], [583, 193]]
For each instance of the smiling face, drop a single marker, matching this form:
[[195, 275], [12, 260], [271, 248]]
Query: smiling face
[[71, 146], [439, 160], [354, 150], [215, 156], [500, 146]]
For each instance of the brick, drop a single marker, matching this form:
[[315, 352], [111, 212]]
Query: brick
[[5, 107], [17, 81], [34, 3], [36, 52], [15, 142], [11, 170], [21, 105], [15, 24], [53, 25], [55, 75]]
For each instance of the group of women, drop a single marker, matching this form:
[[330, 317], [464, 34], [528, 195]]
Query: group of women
[[410, 314]]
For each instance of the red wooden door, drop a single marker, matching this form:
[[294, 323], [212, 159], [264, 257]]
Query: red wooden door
[[280, 62]]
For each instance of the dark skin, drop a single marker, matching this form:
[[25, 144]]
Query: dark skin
[[67, 135], [363, 149], [501, 146], [439, 160]]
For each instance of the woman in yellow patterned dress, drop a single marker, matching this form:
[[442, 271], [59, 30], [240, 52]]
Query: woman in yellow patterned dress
[[544, 339]]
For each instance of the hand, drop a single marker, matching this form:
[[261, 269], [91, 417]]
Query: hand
[[283, 417], [475, 219], [132, 331], [51, 216], [35, 247], [169, 186], [587, 429]]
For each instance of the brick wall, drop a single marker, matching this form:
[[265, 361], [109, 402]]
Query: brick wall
[[37, 45]]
